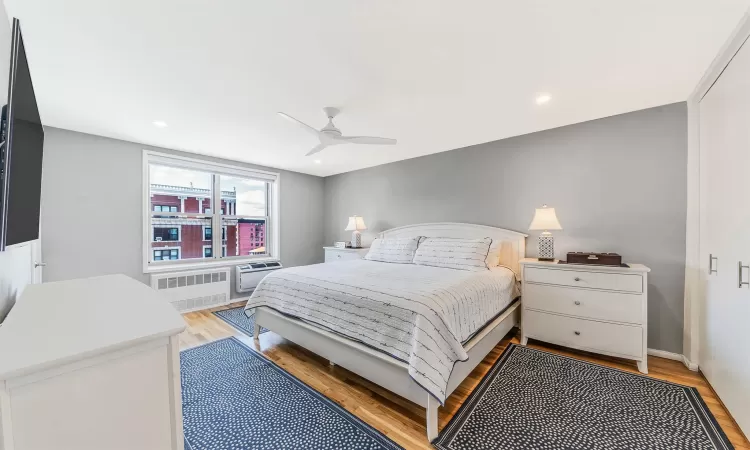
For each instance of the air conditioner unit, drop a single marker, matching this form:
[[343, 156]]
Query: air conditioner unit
[[249, 276]]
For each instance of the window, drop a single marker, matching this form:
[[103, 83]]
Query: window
[[167, 254], [208, 251], [181, 198], [164, 208], [166, 234], [208, 234]]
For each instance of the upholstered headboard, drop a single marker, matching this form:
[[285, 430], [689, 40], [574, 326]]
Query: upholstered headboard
[[511, 245]]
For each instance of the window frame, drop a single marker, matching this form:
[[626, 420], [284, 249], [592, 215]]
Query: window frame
[[272, 229]]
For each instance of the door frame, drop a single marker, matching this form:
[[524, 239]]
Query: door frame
[[695, 268]]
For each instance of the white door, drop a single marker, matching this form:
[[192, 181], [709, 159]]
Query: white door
[[725, 205]]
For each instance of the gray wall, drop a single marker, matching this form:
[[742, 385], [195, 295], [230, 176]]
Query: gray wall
[[618, 184], [92, 208]]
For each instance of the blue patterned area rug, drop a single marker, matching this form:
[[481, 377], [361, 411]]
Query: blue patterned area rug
[[532, 399], [234, 398], [236, 317]]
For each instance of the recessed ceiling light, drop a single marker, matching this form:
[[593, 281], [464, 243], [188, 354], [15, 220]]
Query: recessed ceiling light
[[159, 123], [317, 161], [542, 99]]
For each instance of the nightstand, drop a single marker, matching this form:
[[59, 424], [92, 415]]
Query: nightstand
[[343, 254], [599, 309]]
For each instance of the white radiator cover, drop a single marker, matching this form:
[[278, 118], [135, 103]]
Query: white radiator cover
[[194, 290]]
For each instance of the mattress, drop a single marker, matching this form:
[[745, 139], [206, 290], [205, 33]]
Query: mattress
[[417, 314]]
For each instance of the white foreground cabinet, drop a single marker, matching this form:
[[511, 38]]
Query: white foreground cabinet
[[91, 364]]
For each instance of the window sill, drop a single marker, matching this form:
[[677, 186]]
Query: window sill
[[203, 264]]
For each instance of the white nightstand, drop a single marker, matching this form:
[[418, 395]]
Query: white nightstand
[[343, 254], [599, 309]]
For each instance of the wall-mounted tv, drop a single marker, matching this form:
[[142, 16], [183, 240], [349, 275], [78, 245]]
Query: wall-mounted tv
[[21, 152]]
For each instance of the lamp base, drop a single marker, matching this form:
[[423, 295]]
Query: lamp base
[[546, 247], [356, 239]]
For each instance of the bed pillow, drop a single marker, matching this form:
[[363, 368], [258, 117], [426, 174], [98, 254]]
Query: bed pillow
[[454, 253], [395, 250]]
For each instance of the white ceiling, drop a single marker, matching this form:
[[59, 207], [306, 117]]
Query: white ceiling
[[434, 74]]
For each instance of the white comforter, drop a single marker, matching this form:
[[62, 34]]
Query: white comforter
[[418, 314]]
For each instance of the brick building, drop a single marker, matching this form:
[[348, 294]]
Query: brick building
[[176, 237]]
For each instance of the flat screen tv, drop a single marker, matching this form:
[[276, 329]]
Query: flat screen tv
[[21, 154]]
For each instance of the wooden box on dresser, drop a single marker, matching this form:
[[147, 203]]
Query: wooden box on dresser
[[599, 309], [91, 364], [343, 254]]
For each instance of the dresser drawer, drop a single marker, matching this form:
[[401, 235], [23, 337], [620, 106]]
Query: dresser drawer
[[624, 340], [602, 305], [343, 255], [598, 280]]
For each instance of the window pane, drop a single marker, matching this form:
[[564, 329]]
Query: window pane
[[243, 237], [179, 190], [207, 234], [243, 196], [178, 238]]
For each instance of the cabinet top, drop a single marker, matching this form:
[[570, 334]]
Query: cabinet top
[[62, 322], [584, 267], [347, 249]]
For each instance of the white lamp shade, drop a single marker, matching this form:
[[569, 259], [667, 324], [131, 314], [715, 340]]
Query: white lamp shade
[[545, 219], [356, 223]]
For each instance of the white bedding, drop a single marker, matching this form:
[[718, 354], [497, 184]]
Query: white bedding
[[418, 314]]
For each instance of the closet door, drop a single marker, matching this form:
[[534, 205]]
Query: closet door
[[725, 158]]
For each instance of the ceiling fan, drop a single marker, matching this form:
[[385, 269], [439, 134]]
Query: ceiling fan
[[330, 135]]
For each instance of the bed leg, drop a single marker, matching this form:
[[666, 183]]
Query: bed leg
[[432, 418], [256, 332]]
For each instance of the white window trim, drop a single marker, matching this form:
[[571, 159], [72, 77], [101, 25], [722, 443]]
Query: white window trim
[[273, 232], [179, 251], [153, 232]]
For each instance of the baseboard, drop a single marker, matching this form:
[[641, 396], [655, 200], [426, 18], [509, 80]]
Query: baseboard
[[689, 364], [673, 356]]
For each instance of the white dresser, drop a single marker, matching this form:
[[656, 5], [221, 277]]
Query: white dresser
[[342, 254], [91, 364], [594, 308]]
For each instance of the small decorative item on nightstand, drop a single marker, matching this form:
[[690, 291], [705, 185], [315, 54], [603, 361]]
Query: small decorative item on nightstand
[[356, 224], [545, 220]]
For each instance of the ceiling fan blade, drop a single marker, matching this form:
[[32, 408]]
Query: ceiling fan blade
[[299, 122], [366, 140], [316, 149]]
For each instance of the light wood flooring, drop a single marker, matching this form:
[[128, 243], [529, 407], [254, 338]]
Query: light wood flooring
[[401, 420]]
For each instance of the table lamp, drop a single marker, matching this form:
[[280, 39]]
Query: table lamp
[[545, 220], [356, 224]]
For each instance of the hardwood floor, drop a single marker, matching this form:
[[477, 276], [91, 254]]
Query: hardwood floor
[[401, 420]]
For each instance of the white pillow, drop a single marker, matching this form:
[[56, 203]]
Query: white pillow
[[454, 253], [395, 250]]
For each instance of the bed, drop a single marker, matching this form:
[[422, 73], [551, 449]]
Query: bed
[[415, 330]]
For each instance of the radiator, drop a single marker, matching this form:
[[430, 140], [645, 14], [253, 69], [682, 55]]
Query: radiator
[[194, 290]]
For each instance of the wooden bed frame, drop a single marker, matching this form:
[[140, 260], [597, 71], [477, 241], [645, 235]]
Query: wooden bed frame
[[386, 371]]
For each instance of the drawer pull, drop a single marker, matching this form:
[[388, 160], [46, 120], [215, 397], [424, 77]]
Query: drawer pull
[[576, 279], [578, 333], [577, 303]]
